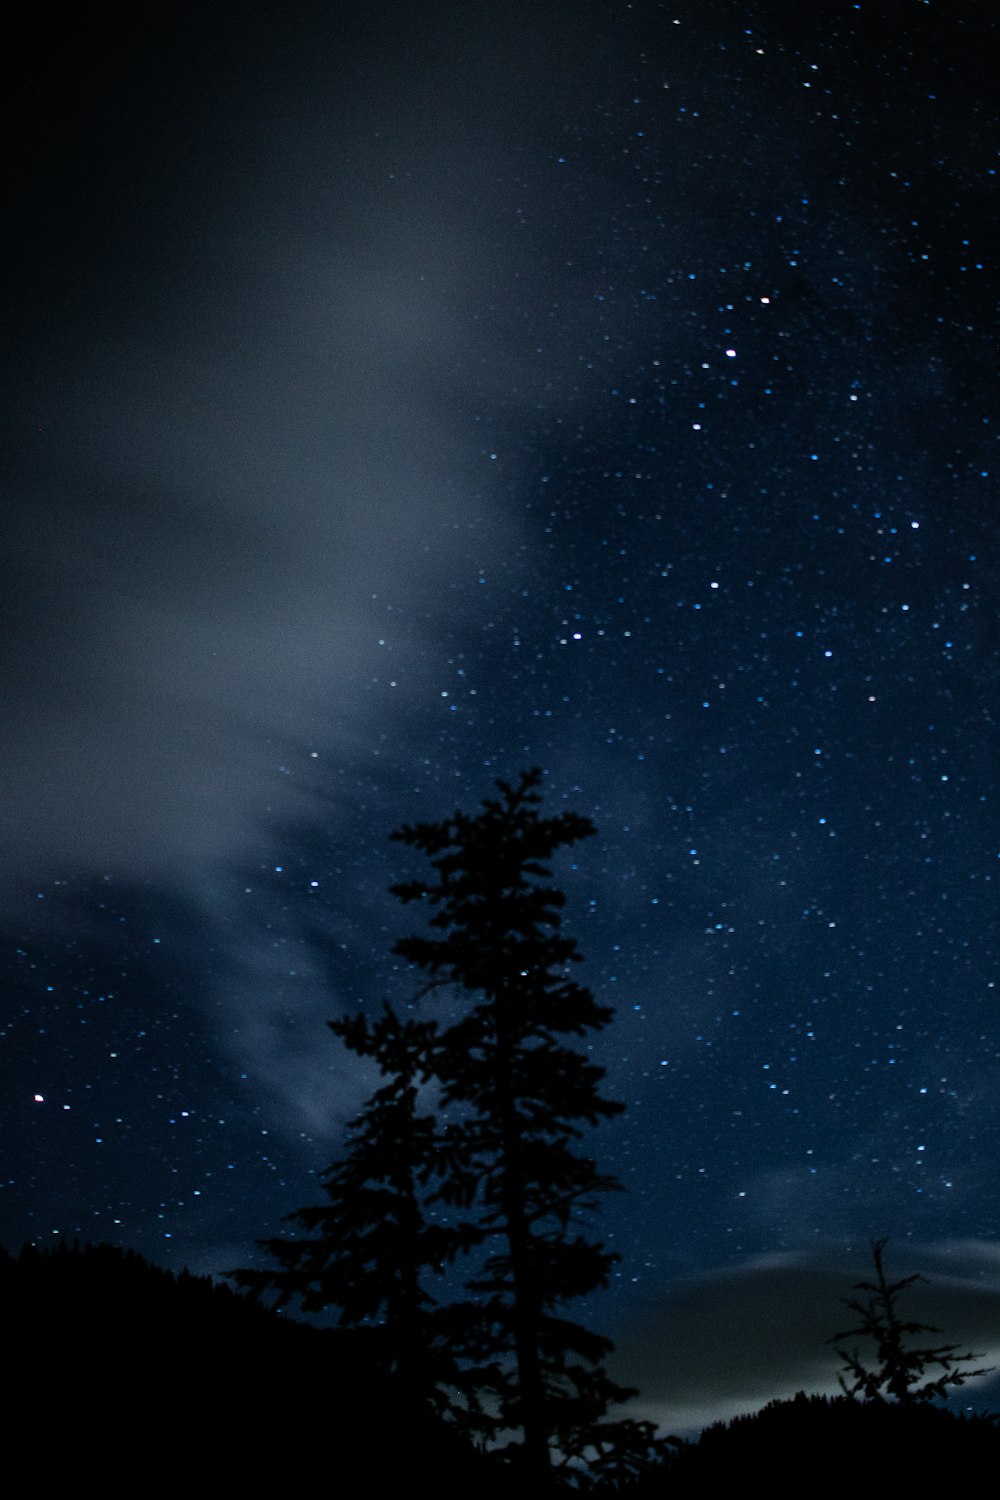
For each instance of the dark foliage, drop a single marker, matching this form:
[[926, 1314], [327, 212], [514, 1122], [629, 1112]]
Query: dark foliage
[[491, 1181], [901, 1371], [122, 1370], [366, 1248], [518, 1097], [818, 1445]]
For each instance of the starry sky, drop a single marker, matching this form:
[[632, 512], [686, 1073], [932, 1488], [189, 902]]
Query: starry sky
[[401, 397]]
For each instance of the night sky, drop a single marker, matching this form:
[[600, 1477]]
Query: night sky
[[402, 397]]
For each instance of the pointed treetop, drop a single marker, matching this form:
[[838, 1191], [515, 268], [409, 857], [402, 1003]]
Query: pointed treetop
[[901, 1369]]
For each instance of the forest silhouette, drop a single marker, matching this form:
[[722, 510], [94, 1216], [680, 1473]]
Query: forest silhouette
[[119, 1368], [457, 1227]]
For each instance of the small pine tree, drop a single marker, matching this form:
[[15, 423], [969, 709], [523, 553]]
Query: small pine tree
[[901, 1369], [369, 1246]]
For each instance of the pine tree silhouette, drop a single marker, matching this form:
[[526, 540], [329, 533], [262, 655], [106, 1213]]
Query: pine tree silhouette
[[367, 1248], [901, 1368], [519, 1098], [490, 1177]]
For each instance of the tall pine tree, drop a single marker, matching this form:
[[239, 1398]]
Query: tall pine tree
[[492, 1177], [519, 1097]]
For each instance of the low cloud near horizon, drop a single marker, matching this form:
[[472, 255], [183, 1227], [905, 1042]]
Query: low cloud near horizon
[[724, 1343]]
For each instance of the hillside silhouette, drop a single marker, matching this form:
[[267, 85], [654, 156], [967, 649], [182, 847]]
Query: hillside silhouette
[[118, 1365], [829, 1445]]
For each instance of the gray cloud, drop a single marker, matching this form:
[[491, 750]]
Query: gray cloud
[[248, 436], [729, 1341], [248, 473]]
